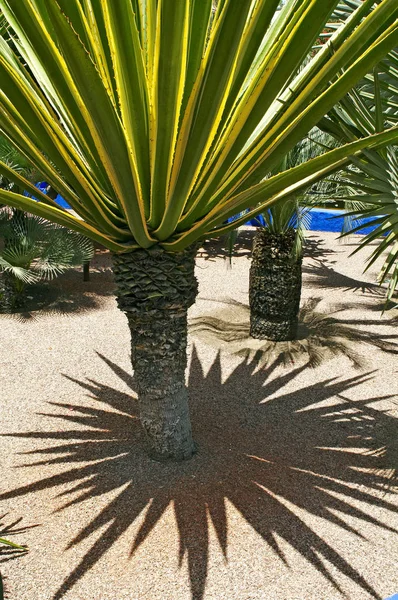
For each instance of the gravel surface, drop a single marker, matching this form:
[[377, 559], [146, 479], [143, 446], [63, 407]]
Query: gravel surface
[[290, 496]]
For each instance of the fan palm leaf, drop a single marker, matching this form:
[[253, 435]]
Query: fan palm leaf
[[33, 249], [369, 187]]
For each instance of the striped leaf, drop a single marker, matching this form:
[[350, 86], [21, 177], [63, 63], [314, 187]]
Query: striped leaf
[[156, 120]]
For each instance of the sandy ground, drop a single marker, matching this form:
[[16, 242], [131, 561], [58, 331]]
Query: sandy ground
[[289, 497]]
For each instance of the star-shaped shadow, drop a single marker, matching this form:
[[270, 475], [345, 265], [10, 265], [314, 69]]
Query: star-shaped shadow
[[264, 450]]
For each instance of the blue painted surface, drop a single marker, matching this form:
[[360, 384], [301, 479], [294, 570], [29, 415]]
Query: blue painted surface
[[42, 185], [394, 597], [326, 220], [322, 219]]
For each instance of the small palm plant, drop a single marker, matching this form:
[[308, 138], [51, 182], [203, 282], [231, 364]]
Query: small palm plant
[[275, 272], [157, 120], [371, 194], [33, 249]]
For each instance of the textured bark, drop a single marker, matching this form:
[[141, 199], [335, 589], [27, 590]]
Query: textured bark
[[86, 270], [155, 289], [10, 297], [12, 291], [275, 287]]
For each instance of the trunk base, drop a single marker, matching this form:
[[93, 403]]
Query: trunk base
[[277, 331], [155, 289], [275, 287], [10, 298]]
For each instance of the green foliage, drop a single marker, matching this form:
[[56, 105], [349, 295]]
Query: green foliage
[[291, 213], [32, 249], [13, 545], [18, 163], [158, 120], [369, 186]]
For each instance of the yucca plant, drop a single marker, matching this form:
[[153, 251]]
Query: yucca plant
[[157, 120], [275, 270]]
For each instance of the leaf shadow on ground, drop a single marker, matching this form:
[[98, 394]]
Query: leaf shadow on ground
[[315, 247], [270, 452], [68, 293], [7, 531], [324, 276], [220, 247], [320, 335], [8, 553]]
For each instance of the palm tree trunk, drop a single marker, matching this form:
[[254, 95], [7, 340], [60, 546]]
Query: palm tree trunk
[[275, 286], [11, 298], [155, 289]]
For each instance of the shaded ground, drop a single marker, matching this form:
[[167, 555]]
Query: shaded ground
[[291, 495], [69, 293]]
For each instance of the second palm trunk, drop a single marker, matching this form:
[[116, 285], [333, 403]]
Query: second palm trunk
[[275, 286], [155, 289]]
